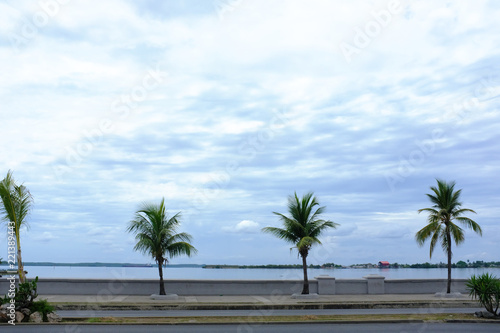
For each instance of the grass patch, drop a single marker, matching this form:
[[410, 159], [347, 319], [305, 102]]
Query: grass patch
[[104, 320]]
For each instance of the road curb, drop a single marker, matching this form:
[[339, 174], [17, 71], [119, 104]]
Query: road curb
[[80, 321], [260, 306]]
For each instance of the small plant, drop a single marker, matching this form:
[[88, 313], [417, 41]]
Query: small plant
[[486, 289], [25, 298], [43, 307], [26, 294]]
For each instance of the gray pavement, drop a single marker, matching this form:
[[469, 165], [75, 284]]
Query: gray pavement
[[259, 328], [260, 301], [277, 328], [83, 306], [92, 306], [257, 313]]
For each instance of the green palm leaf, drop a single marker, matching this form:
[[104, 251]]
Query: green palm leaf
[[16, 206], [302, 227], [440, 223], [156, 235]]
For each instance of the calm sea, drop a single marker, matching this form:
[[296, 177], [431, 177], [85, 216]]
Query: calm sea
[[246, 274]]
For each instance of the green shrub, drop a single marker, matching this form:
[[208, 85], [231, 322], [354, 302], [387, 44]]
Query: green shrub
[[26, 294], [43, 307], [486, 289]]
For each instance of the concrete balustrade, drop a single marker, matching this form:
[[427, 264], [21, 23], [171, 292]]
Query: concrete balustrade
[[375, 284], [326, 285], [322, 285], [424, 286]]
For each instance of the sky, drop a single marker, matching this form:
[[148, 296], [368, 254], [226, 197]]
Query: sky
[[225, 108]]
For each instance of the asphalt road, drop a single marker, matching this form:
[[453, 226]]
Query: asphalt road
[[277, 328], [262, 312]]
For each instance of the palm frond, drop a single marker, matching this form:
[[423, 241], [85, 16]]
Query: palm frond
[[307, 242], [430, 210], [156, 233], [318, 226], [290, 223], [426, 232], [281, 234], [303, 226], [314, 216], [446, 208], [471, 224], [460, 211], [180, 237], [181, 248], [16, 201], [457, 233], [435, 238]]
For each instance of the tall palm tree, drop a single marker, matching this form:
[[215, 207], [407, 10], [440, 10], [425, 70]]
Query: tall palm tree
[[156, 235], [302, 228], [441, 227], [16, 205]]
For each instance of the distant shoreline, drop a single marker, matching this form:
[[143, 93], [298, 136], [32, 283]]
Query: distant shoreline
[[268, 266], [85, 264]]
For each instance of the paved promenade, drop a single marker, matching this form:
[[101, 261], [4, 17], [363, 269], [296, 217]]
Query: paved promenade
[[262, 301], [399, 309]]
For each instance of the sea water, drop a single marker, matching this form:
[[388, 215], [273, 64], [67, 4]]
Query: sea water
[[198, 273]]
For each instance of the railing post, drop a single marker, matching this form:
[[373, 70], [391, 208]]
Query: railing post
[[375, 283], [326, 285]]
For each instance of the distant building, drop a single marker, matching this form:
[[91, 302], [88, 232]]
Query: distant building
[[383, 264]]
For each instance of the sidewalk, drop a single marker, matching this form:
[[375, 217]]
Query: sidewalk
[[92, 309], [258, 302]]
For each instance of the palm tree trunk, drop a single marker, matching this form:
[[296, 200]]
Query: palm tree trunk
[[160, 270], [448, 287], [20, 266], [305, 289]]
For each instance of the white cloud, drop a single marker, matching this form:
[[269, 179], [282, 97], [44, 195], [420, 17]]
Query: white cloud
[[45, 236], [245, 226]]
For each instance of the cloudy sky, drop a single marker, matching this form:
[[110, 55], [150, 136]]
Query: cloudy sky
[[227, 107]]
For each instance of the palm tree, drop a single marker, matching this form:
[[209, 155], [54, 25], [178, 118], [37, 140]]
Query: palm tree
[[303, 227], [16, 205], [156, 235], [440, 227]]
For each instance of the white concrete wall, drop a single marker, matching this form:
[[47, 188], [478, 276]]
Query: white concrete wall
[[427, 286], [351, 286], [332, 286]]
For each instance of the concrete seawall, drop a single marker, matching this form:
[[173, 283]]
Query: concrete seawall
[[323, 285]]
